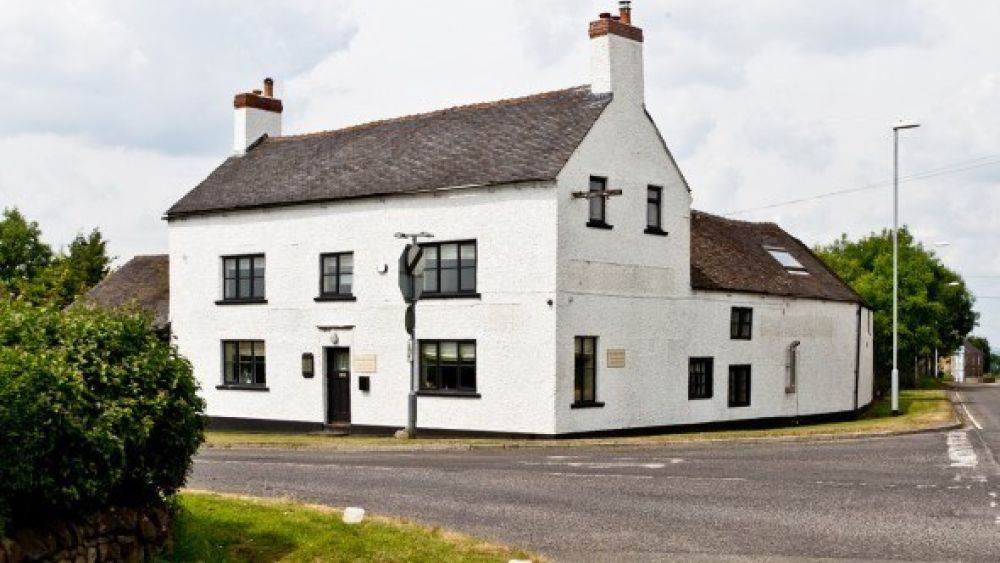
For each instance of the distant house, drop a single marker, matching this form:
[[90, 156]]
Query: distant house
[[569, 287], [143, 282], [966, 363]]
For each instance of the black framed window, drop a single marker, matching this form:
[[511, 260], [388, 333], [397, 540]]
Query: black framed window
[[741, 323], [598, 203], [336, 274], [654, 210], [244, 363], [700, 378], [739, 386], [448, 366], [243, 278], [585, 370], [450, 268]]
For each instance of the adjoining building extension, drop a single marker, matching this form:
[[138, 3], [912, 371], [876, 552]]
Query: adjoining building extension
[[569, 287]]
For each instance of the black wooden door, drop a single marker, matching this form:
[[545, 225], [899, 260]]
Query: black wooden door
[[338, 385]]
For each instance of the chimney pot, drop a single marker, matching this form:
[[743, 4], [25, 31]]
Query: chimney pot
[[258, 92], [625, 9], [269, 87], [605, 15]]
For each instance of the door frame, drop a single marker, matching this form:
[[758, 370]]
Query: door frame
[[328, 367]]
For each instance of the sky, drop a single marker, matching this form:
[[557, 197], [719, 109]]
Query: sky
[[111, 110]]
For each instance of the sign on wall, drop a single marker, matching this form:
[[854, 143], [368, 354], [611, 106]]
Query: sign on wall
[[616, 357], [364, 363]]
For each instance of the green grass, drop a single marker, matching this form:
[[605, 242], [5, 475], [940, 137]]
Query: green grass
[[214, 528], [919, 409]]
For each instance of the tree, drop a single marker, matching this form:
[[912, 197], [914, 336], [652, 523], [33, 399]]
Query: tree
[[29, 269], [935, 308], [23, 255]]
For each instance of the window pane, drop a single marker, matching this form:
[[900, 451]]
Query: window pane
[[346, 283], [230, 289], [449, 351], [229, 373], [258, 266], [258, 287], [347, 263], [449, 281], [259, 350], [597, 184], [468, 281], [449, 256], [449, 376], [329, 265], [467, 378], [260, 372], [244, 271], [431, 281], [229, 267], [244, 288], [468, 254], [467, 351], [342, 362], [329, 284], [588, 346], [653, 215], [430, 257], [597, 208], [588, 385]]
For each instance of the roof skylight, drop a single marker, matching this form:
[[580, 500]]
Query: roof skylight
[[786, 259]]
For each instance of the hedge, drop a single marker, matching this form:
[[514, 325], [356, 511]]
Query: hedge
[[95, 409]]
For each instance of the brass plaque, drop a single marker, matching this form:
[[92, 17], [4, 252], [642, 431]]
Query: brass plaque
[[616, 357], [364, 363]]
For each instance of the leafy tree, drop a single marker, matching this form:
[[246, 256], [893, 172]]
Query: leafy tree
[[935, 308], [23, 255], [30, 270]]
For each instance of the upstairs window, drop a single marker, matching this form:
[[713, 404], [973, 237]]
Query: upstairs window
[[243, 278], [700, 378], [448, 366], [337, 275], [598, 203], [244, 363], [741, 323], [785, 258], [739, 386], [654, 210], [450, 269]]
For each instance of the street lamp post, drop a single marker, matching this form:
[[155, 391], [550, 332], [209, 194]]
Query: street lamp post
[[895, 259]]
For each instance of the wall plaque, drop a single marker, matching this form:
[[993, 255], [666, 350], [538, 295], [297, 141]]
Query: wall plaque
[[364, 363], [616, 357]]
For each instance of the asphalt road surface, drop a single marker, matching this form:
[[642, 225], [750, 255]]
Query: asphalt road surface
[[926, 497]]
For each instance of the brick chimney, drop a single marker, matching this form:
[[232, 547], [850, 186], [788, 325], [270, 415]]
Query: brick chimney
[[258, 113], [616, 56]]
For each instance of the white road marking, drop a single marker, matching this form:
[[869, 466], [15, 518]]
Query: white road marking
[[615, 475], [960, 450]]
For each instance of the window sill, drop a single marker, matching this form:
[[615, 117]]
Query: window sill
[[587, 405], [241, 302], [424, 296], [656, 231], [599, 225], [242, 388], [453, 394], [325, 298]]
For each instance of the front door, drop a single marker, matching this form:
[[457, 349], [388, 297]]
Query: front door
[[338, 385]]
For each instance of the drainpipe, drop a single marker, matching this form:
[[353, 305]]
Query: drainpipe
[[857, 362], [791, 362]]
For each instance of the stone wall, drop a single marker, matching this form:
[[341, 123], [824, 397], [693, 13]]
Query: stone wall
[[113, 534]]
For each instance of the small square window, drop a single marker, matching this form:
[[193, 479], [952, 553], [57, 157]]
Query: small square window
[[243, 278], [786, 259], [700, 378], [337, 274], [741, 323]]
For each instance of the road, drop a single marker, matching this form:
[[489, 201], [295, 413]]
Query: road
[[925, 497]]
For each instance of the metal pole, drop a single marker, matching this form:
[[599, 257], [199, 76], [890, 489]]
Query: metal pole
[[895, 271], [411, 414]]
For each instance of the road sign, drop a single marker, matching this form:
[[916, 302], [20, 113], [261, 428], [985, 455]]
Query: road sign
[[415, 259], [410, 284]]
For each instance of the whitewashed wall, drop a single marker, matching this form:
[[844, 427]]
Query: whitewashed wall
[[514, 326]]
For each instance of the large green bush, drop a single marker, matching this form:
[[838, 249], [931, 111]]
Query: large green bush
[[94, 409]]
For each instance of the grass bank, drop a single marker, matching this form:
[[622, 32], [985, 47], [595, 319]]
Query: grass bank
[[215, 528], [920, 409]]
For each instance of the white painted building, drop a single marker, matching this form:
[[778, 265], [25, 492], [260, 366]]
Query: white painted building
[[547, 312]]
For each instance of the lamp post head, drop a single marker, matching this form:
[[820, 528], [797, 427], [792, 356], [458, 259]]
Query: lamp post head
[[905, 124]]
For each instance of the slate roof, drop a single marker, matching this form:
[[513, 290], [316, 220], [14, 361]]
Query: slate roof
[[144, 281], [520, 139], [730, 255]]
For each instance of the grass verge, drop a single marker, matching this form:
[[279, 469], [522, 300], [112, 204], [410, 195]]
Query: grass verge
[[920, 409], [214, 528]]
